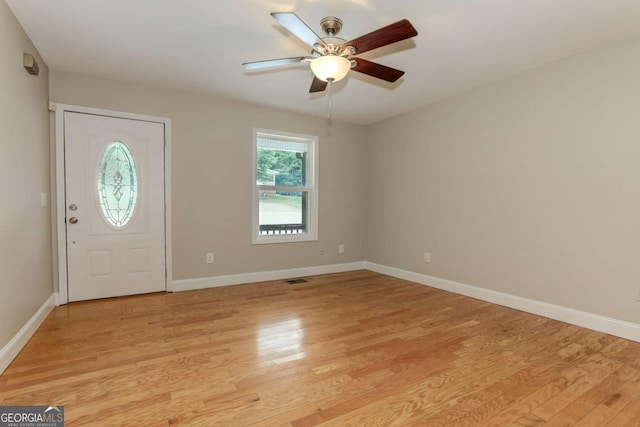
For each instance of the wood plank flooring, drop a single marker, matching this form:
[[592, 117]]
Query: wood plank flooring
[[353, 349]]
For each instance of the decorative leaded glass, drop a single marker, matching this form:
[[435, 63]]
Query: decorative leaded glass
[[117, 184]]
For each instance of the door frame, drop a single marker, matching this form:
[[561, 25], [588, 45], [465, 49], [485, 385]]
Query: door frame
[[59, 208]]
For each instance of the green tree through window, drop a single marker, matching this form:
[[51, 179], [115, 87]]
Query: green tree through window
[[287, 164]]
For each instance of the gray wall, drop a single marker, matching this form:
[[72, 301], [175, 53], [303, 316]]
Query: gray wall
[[25, 236], [211, 176], [530, 186]]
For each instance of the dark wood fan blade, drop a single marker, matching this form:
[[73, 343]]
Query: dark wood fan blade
[[376, 70], [257, 65], [393, 33], [293, 23], [317, 85]]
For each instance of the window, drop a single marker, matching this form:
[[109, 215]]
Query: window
[[285, 196], [117, 185]]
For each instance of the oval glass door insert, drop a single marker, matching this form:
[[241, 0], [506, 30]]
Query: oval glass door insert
[[117, 184]]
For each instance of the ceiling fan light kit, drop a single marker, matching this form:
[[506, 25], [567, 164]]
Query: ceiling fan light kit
[[332, 57], [330, 68]]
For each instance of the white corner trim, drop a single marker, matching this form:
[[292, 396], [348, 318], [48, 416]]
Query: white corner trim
[[263, 276], [596, 322], [17, 343]]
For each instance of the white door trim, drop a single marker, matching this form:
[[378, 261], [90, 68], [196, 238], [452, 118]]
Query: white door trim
[[59, 210]]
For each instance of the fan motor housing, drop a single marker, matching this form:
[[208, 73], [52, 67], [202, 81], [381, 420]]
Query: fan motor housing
[[334, 45]]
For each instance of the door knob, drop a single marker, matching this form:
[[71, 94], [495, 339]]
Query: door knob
[[73, 220]]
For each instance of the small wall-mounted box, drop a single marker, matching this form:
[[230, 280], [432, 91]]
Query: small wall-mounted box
[[30, 64]]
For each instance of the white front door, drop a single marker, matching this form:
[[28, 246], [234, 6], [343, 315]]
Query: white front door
[[115, 206]]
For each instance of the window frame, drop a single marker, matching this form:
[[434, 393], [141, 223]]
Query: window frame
[[311, 188]]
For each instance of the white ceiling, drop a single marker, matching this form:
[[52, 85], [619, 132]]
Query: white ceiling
[[198, 45]]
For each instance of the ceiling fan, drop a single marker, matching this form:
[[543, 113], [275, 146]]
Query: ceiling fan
[[332, 57]]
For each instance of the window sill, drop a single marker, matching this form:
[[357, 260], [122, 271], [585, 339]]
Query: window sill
[[291, 238]]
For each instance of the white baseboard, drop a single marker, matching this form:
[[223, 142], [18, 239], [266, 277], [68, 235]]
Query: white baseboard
[[17, 343], [262, 276], [608, 325]]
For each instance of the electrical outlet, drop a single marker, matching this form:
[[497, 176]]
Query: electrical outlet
[[210, 258], [321, 251], [427, 257], [43, 199], [341, 248]]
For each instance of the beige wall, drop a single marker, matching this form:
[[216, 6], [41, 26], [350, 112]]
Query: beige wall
[[25, 236], [529, 186], [211, 177]]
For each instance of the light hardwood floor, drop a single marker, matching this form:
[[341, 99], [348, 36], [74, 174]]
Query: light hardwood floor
[[352, 349]]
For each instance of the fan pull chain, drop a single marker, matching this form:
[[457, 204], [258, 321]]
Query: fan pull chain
[[330, 100]]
